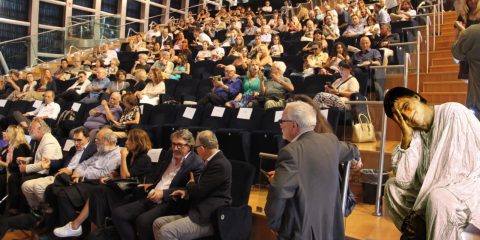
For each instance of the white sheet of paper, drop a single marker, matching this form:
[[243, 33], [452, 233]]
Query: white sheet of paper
[[141, 109], [324, 112], [67, 76], [68, 144], [76, 106], [245, 113], [278, 116], [218, 112], [3, 102], [189, 112], [154, 154], [37, 103], [28, 138]]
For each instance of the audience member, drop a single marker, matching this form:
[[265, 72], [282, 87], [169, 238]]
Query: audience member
[[141, 63], [130, 116], [19, 94], [47, 110], [75, 92], [156, 86], [210, 191], [338, 93], [405, 13], [11, 83], [275, 88], [382, 15], [250, 89], [339, 54], [224, 89], [181, 67], [276, 48], [171, 173], [104, 113], [96, 87], [120, 85]]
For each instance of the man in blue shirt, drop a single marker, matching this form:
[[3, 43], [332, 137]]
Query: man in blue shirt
[[224, 89], [96, 87]]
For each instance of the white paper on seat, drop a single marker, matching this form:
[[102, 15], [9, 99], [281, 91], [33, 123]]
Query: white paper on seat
[[28, 138], [76, 106], [67, 76], [3, 102], [278, 115], [218, 111], [245, 113], [324, 112], [68, 144], [189, 112], [141, 109], [154, 154], [37, 103]]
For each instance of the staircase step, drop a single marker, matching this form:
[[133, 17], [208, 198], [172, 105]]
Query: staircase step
[[439, 97], [442, 61], [445, 86], [444, 68]]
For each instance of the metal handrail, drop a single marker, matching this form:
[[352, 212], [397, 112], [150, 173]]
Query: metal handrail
[[427, 26], [378, 208]]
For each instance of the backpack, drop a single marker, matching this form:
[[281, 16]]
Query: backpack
[[64, 116]]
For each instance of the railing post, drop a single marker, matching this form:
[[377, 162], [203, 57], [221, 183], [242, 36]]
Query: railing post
[[419, 36], [428, 43]]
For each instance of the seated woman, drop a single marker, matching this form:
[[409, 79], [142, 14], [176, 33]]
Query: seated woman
[[251, 88], [46, 83], [217, 52], [29, 86], [339, 54], [140, 77], [276, 48], [16, 146], [130, 115], [263, 58], [120, 85], [154, 54], [205, 53], [135, 163], [339, 92], [181, 66], [113, 68], [151, 93]]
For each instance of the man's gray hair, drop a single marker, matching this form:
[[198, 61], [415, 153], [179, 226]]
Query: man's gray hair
[[208, 139], [303, 114], [110, 136], [184, 134], [43, 125], [280, 65]]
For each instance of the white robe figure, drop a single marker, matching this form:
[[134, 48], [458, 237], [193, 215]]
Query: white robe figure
[[438, 176]]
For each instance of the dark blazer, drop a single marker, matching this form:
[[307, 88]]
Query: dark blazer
[[87, 153], [193, 163], [23, 150], [303, 199], [142, 166], [213, 189]]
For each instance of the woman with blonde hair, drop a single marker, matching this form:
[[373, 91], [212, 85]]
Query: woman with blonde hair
[[140, 76], [17, 146], [151, 93]]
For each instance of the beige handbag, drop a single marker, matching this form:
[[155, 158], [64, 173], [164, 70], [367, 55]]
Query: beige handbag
[[363, 131]]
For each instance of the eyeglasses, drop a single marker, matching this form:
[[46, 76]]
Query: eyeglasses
[[178, 145], [197, 146], [284, 121]]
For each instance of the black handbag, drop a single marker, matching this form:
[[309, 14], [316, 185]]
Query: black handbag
[[123, 185], [413, 227]]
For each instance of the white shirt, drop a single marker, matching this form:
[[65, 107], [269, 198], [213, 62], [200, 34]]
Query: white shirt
[[50, 110], [267, 8], [169, 174], [80, 87], [109, 55]]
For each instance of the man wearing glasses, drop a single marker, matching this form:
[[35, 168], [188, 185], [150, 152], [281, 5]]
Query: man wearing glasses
[[303, 200], [224, 89], [172, 173], [33, 190], [210, 191], [74, 92]]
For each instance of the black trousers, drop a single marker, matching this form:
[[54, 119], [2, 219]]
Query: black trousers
[[103, 200], [15, 199], [70, 199], [213, 99], [139, 216]]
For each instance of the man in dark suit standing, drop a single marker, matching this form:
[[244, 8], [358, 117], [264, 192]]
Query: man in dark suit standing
[[209, 192], [172, 173], [304, 196]]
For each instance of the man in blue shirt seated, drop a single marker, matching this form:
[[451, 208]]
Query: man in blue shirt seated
[[224, 89], [96, 87]]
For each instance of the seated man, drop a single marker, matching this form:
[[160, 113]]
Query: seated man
[[74, 92], [275, 88], [46, 151], [210, 191], [85, 176], [34, 189], [436, 165], [362, 61], [405, 13], [96, 87], [48, 110], [224, 89], [98, 116], [172, 173], [385, 39]]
